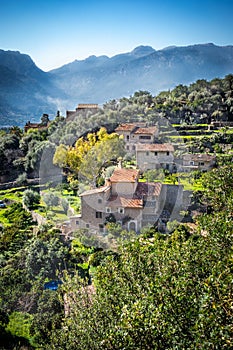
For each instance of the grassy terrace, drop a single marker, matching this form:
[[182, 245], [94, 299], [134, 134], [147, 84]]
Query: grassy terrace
[[186, 179], [55, 214]]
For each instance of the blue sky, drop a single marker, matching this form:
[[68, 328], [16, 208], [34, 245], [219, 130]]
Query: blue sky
[[56, 32]]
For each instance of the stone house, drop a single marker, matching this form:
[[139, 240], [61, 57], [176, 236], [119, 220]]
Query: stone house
[[201, 161], [134, 133], [82, 108], [155, 156], [124, 200]]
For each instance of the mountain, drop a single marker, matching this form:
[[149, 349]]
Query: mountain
[[26, 91], [98, 79]]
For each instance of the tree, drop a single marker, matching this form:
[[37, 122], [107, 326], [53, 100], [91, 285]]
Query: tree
[[89, 156], [31, 198], [65, 205], [45, 119], [160, 293], [21, 179], [50, 199], [60, 156], [217, 185]]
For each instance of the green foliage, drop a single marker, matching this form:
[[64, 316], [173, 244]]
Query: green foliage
[[48, 316], [156, 294], [50, 199], [21, 179], [65, 205], [218, 188], [31, 198], [154, 175], [19, 324]]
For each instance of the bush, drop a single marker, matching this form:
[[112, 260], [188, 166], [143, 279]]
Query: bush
[[31, 198], [21, 179]]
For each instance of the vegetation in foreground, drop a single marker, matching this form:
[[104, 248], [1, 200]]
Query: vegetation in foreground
[[154, 291]]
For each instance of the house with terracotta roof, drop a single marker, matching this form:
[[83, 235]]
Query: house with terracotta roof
[[197, 161], [155, 156], [134, 133], [125, 200]]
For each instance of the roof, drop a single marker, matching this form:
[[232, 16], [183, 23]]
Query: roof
[[199, 157], [126, 127], [129, 126], [155, 147], [124, 175], [124, 202], [143, 189], [150, 130], [148, 189], [87, 105], [95, 191]]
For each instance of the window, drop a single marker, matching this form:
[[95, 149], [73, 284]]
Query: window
[[201, 163], [133, 148], [99, 200], [98, 215], [167, 153], [108, 210], [127, 137], [191, 163], [121, 210], [77, 222], [147, 153], [87, 225], [144, 137], [101, 227], [156, 153]]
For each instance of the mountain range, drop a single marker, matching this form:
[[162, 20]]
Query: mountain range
[[26, 92]]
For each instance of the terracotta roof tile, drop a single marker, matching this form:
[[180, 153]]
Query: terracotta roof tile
[[155, 147], [150, 130], [124, 202], [124, 175], [129, 126], [126, 127]]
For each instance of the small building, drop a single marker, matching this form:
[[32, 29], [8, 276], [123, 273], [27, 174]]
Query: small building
[[134, 133], [35, 126], [155, 156], [43, 125], [198, 161], [82, 108]]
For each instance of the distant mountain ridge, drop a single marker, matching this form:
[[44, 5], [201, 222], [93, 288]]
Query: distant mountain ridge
[[26, 92]]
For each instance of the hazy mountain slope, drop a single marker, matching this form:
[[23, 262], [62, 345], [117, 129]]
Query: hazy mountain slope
[[26, 92], [98, 79]]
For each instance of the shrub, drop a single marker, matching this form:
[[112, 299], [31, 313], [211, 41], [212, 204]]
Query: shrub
[[31, 198]]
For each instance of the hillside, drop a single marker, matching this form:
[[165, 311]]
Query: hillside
[[26, 92]]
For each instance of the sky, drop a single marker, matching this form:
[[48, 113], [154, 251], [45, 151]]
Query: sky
[[56, 32]]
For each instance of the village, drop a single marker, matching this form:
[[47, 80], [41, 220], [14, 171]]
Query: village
[[127, 197], [126, 200]]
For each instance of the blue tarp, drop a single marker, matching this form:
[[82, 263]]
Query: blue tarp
[[52, 285]]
